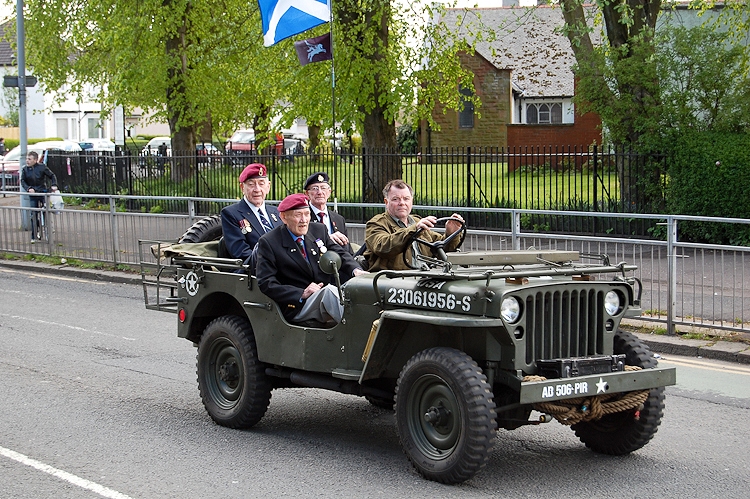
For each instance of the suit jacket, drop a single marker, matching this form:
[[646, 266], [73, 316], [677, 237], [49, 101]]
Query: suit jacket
[[283, 274], [338, 223], [241, 245]]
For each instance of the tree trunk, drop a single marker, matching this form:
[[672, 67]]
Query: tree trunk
[[628, 107], [183, 136], [313, 141], [381, 163]]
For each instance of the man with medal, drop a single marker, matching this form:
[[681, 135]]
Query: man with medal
[[318, 189], [244, 222], [289, 266]]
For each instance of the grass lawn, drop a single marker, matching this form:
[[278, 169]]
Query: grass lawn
[[481, 184]]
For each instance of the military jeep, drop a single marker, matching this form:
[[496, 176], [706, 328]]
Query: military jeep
[[466, 344]]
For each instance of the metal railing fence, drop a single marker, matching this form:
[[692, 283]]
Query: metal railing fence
[[593, 179], [682, 283]]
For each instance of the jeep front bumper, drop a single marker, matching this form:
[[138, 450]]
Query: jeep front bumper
[[532, 392]]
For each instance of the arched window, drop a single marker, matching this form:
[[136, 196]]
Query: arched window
[[543, 113], [531, 115], [466, 116]]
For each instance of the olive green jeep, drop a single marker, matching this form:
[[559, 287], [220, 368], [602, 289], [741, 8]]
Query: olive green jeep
[[469, 343]]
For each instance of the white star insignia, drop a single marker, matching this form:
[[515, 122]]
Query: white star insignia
[[601, 386]]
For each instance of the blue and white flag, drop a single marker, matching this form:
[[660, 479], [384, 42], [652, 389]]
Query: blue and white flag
[[285, 18]]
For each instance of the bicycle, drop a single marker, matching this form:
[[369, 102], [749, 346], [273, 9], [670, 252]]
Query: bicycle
[[39, 229]]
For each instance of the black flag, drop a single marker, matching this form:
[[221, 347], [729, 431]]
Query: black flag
[[314, 49]]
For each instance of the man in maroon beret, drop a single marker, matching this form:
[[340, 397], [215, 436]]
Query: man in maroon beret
[[243, 223], [289, 266]]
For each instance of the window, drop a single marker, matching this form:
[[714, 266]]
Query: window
[[544, 113], [94, 128], [466, 116], [62, 128]]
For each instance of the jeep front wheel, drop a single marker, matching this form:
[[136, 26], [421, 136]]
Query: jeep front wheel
[[626, 431], [445, 415], [231, 379]]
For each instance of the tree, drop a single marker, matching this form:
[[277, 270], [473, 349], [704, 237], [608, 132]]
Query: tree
[[392, 61], [618, 79], [704, 79], [185, 62], [195, 61]]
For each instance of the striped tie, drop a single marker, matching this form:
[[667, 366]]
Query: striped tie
[[264, 222]]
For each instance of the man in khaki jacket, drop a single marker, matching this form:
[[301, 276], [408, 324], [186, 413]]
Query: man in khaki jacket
[[388, 235]]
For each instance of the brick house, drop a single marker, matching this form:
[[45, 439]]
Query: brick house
[[525, 82]]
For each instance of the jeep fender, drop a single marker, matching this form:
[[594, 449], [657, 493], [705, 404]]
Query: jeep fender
[[401, 333]]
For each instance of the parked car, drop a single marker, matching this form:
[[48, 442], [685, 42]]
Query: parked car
[[105, 145], [207, 149], [153, 145], [240, 146], [10, 165], [207, 153]]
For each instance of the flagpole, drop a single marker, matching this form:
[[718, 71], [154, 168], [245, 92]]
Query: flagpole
[[333, 91]]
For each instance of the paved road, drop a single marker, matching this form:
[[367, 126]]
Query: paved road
[[99, 399]]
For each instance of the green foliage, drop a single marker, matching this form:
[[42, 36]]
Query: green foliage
[[709, 175], [704, 79], [407, 139]]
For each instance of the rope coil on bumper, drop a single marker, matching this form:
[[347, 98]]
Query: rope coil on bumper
[[572, 411]]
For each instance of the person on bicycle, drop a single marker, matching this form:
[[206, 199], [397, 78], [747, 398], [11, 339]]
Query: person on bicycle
[[34, 180]]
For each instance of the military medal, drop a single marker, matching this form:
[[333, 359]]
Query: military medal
[[322, 247], [245, 226]]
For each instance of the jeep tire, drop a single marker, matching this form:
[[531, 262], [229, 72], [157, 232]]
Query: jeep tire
[[204, 230], [232, 381], [624, 432], [445, 415]]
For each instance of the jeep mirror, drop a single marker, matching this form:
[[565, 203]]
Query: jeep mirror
[[330, 262]]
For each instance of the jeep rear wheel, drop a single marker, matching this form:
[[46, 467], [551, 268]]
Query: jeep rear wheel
[[231, 379], [624, 432], [445, 415]]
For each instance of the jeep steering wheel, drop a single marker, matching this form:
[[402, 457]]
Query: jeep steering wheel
[[437, 247]]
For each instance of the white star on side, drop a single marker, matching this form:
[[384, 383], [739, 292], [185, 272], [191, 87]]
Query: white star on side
[[601, 386], [316, 9]]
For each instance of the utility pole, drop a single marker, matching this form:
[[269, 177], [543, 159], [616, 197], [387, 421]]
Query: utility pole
[[21, 43]]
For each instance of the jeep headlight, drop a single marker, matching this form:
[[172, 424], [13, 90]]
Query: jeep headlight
[[612, 302], [510, 309]]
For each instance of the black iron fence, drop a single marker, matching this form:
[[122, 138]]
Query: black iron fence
[[591, 179]]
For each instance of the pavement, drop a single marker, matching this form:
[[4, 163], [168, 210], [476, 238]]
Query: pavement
[[716, 347]]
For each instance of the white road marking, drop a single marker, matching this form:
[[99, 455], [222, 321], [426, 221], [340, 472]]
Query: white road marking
[[63, 475], [74, 328]]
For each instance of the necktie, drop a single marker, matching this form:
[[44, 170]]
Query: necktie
[[301, 245], [264, 222], [322, 217]]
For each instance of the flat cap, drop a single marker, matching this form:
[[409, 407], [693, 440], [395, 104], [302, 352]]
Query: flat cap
[[254, 170], [316, 178], [293, 202]]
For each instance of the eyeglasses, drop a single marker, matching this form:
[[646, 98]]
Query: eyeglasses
[[318, 188]]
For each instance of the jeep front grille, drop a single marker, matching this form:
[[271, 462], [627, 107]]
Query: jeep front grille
[[563, 324]]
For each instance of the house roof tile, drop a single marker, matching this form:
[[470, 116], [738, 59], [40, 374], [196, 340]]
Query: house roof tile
[[7, 54], [527, 42]]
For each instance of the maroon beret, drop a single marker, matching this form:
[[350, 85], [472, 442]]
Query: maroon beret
[[254, 170], [293, 202]]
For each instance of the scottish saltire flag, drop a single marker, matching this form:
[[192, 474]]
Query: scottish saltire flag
[[285, 18]]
